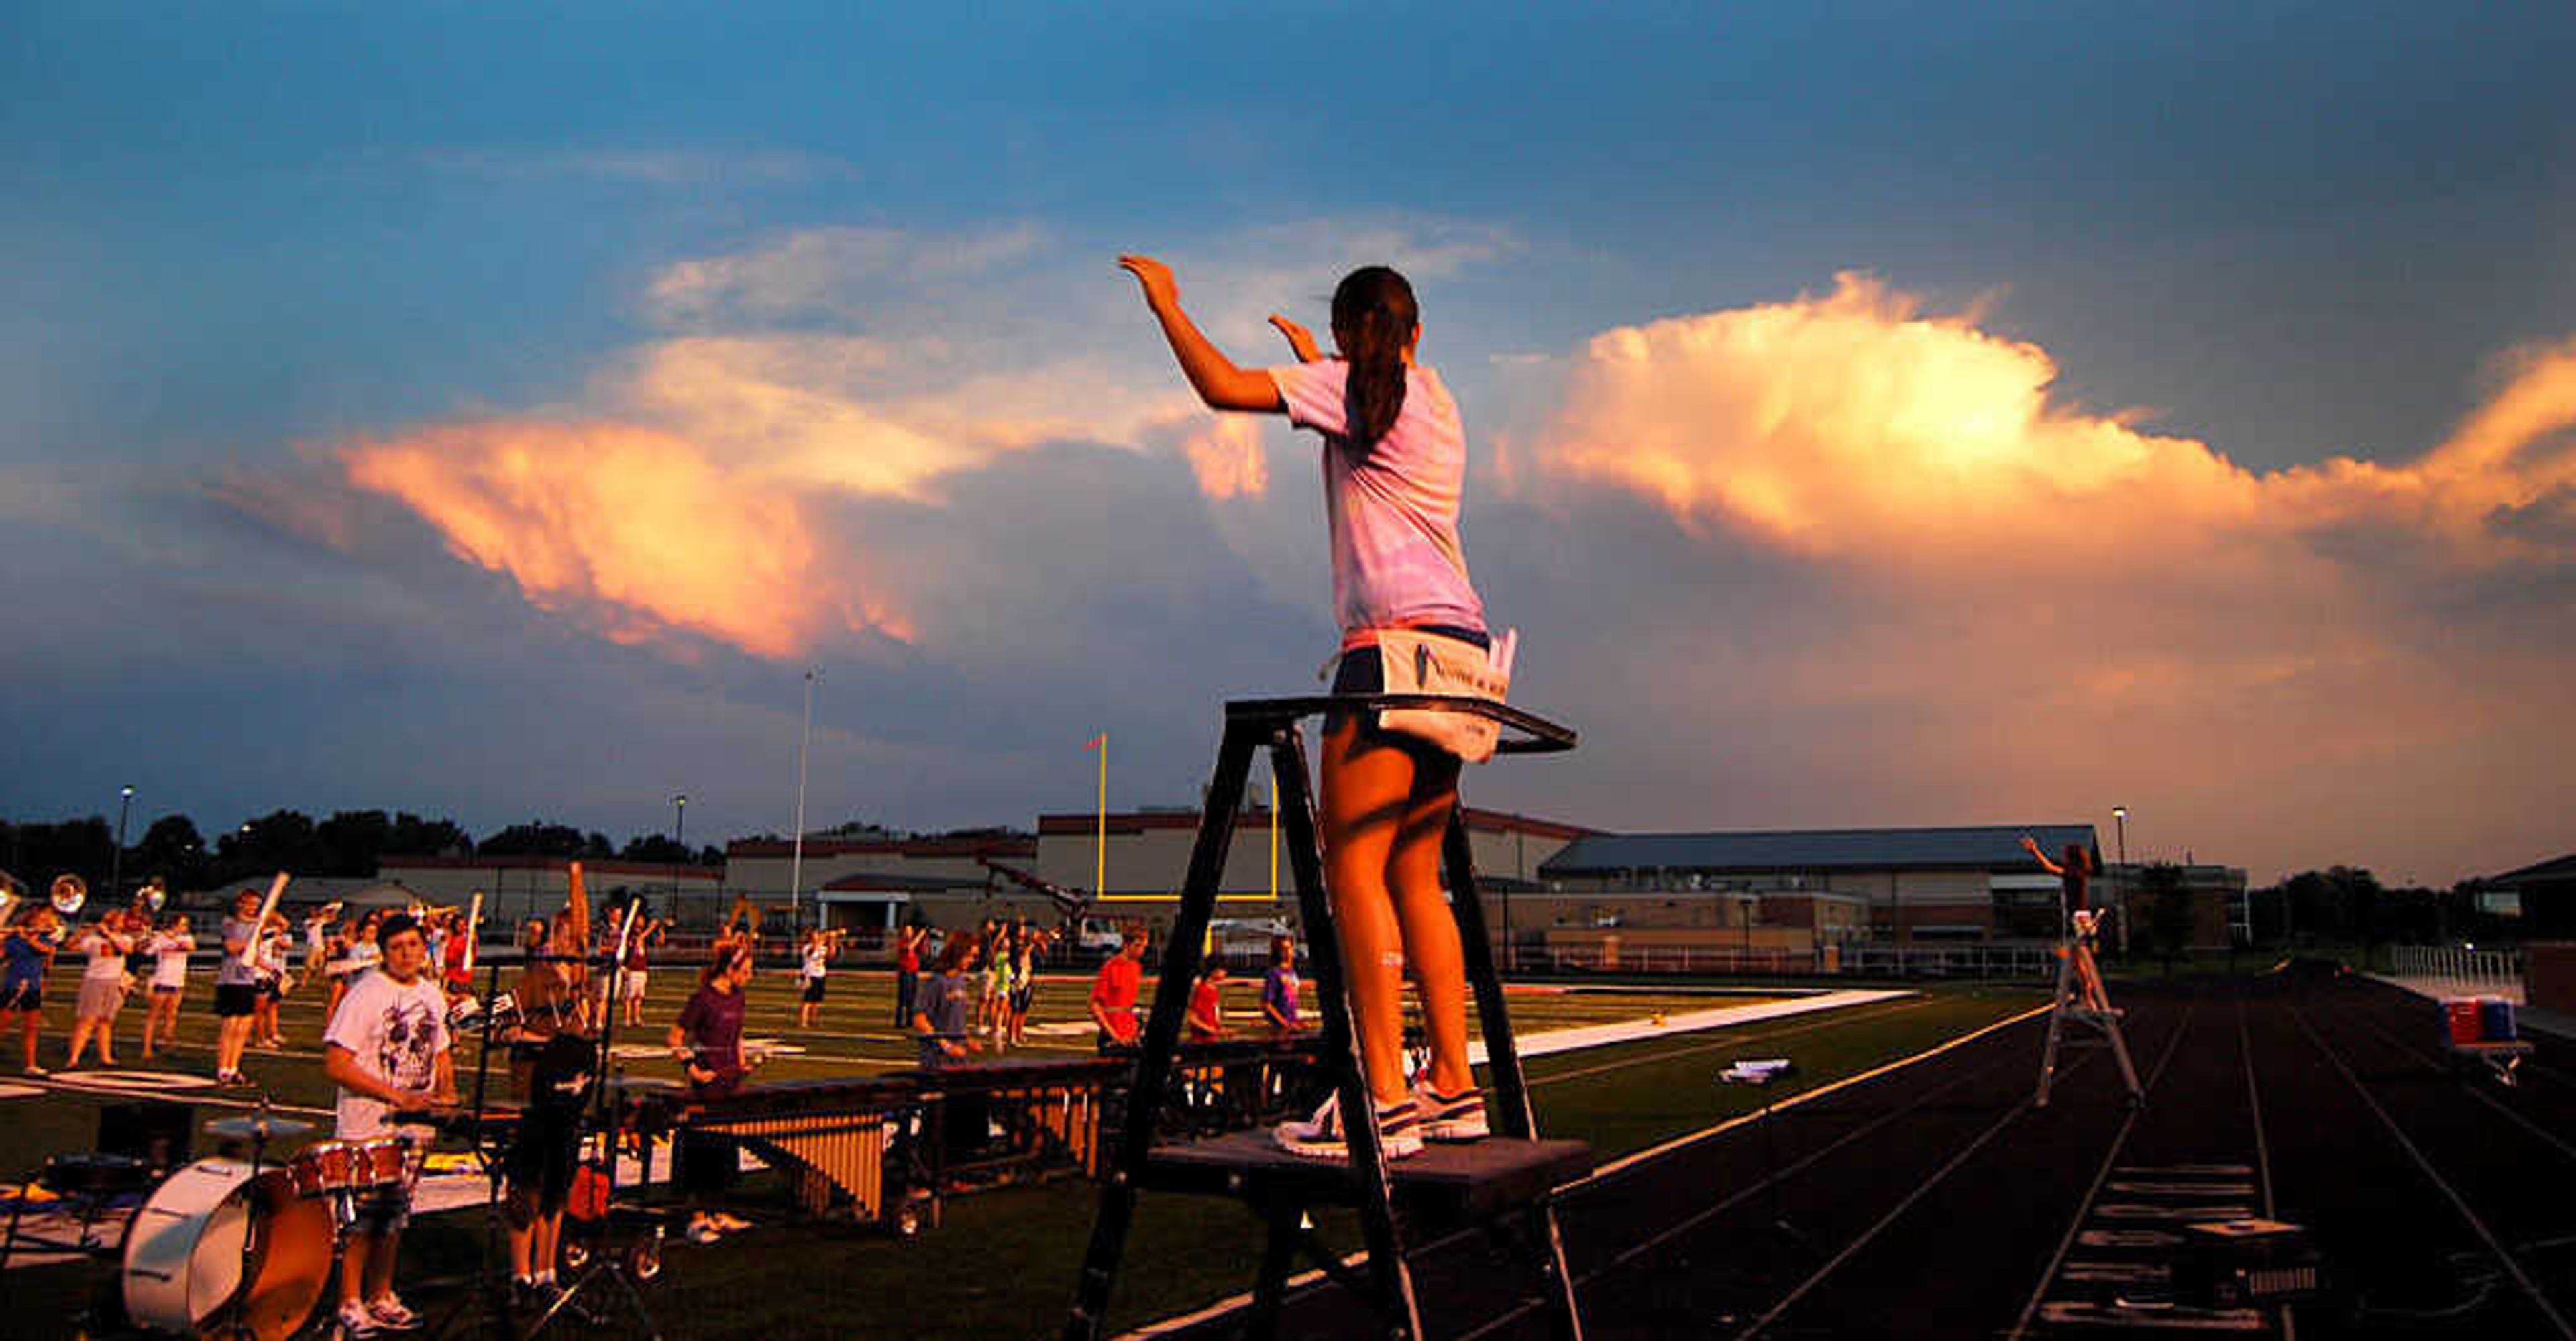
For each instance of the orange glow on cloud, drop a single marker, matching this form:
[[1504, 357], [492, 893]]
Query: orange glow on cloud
[[632, 527], [1982, 576], [1228, 459], [1853, 425]]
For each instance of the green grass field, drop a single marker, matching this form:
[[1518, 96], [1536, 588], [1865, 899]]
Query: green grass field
[[1003, 1262]]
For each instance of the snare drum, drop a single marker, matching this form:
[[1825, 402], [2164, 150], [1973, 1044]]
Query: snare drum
[[348, 1167], [185, 1266]]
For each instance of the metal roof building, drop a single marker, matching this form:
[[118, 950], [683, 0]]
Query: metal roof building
[[1973, 883]]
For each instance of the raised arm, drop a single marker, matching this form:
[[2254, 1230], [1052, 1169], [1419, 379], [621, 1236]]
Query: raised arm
[[2041, 857], [1215, 377]]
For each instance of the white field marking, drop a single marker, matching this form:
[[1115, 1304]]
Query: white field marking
[[8, 1091], [1688, 1022], [219, 1099], [1306, 1279], [1674, 1054]]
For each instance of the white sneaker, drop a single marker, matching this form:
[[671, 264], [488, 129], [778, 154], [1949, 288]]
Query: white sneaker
[[1399, 1132], [355, 1320], [391, 1314], [1450, 1117]]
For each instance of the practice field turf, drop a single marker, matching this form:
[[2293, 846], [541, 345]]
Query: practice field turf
[[1002, 1263]]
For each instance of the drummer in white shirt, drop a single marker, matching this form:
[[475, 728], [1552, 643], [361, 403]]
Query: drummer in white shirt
[[387, 1048]]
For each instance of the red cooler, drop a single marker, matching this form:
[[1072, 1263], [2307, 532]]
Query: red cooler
[[2461, 1014]]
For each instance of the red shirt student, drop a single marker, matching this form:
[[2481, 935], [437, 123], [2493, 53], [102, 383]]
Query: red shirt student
[[1113, 993]]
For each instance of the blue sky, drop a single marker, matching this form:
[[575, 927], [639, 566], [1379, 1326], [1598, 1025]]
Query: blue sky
[[247, 244]]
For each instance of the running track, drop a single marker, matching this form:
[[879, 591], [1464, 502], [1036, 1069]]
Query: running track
[[1936, 1202]]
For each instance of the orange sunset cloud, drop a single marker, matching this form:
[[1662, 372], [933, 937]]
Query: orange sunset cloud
[[633, 528]]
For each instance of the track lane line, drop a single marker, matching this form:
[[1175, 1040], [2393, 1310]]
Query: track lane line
[[2458, 1202], [1897, 1212], [2110, 1159], [1305, 1281]]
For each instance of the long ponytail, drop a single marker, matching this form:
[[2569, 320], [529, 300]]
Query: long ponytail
[[1374, 314]]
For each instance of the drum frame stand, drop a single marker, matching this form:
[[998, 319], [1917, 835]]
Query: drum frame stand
[[1385, 1282]]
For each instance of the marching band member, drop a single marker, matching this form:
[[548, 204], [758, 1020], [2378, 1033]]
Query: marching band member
[[29, 945], [236, 988], [551, 1058], [707, 1040], [1279, 987], [943, 1009], [169, 948], [648, 933], [819, 947], [1113, 992], [908, 943], [270, 967], [1026, 945], [103, 986], [387, 1047], [1207, 1005]]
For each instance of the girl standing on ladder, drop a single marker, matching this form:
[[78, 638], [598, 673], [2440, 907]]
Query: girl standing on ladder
[[1395, 463], [2074, 875]]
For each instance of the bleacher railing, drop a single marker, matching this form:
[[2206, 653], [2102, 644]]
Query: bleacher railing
[[2454, 970]]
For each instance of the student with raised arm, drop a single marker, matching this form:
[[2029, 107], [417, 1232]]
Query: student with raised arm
[[1394, 463], [2074, 875]]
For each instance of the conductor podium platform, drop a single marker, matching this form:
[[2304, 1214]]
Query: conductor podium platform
[[1505, 1181], [1480, 1180]]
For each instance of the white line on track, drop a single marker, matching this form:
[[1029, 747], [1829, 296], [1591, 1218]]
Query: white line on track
[[1307, 1279], [2458, 1202], [2110, 1159]]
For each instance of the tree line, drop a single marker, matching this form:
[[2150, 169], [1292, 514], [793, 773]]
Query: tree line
[[350, 843]]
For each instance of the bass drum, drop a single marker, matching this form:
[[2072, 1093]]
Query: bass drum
[[185, 1265]]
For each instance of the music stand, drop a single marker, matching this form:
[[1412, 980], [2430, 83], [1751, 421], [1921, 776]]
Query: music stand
[[1762, 1074], [489, 1300]]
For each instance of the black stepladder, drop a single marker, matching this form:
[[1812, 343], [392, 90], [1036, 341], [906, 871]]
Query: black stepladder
[[1508, 1176]]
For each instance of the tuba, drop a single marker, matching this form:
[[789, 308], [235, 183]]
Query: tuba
[[68, 894], [156, 895]]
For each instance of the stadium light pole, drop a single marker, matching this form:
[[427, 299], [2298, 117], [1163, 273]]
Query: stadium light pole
[[796, 851], [2120, 821], [116, 864], [679, 839]]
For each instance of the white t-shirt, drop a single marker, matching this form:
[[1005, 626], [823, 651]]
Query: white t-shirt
[[818, 961], [395, 1032], [1397, 559], [170, 963], [106, 962]]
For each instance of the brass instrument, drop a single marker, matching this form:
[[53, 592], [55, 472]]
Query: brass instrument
[[68, 894]]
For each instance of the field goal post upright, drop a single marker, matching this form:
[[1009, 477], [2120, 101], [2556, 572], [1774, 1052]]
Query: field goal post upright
[[1507, 1177]]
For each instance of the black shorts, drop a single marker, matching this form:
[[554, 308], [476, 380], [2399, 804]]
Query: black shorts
[[1022, 997], [23, 994], [814, 990], [269, 990], [235, 999], [540, 1161], [1360, 672]]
